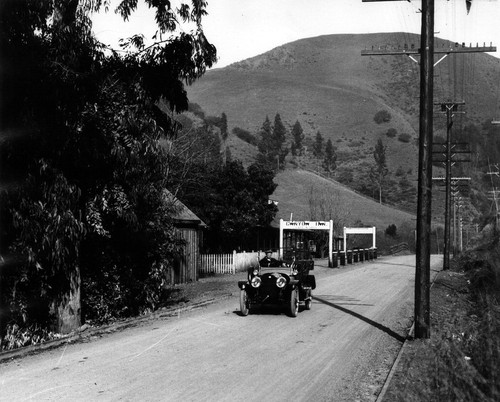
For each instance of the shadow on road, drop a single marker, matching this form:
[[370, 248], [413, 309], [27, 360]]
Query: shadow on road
[[367, 320], [395, 264]]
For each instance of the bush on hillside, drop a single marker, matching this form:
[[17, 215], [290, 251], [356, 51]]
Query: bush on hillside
[[245, 135], [213, 121], [404, 137], [196, 110], [382, 116], [391, 133], [355, 144], [344, 176], [391, 230]]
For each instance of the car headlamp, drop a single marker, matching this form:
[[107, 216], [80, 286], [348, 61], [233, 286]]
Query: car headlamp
[[256, 281], [281, 282]]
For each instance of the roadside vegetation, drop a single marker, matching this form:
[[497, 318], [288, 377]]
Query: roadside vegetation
[[93, 142], [461, 360]]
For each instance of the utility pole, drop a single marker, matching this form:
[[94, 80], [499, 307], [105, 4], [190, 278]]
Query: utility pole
[[449, 108], [453, 185], [424, 193], [426, 52], [494, 191]]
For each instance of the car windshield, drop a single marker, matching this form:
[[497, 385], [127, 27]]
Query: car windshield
[[282, 268]]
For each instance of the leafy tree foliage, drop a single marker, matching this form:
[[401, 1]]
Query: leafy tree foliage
[[233, 203], [84, 157]]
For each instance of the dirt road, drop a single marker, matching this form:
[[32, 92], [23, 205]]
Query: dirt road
[[341, 350]]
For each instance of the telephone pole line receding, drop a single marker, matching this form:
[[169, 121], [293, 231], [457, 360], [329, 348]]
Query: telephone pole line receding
[[449, 108], [422, 265]]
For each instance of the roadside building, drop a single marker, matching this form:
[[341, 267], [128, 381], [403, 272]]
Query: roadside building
[[189, 228]]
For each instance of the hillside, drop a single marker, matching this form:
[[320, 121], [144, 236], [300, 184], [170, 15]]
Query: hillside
[[326, 85], [294, 198]]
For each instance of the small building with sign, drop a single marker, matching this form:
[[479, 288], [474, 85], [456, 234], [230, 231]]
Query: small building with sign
[[292, 234]]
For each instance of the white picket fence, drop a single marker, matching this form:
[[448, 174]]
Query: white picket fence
[[228, 263]]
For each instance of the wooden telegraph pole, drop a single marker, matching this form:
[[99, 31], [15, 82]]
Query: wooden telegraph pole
[[424, 193], [423, 252], [426, 52]]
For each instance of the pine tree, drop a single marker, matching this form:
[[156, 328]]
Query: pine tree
[[318, 145], [272, 145], [265, 145], [329, 162], [279, 139], [379, 171], [298, 137], [223, 126]]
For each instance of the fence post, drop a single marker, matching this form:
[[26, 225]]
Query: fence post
[[335, 259], [342, 258]]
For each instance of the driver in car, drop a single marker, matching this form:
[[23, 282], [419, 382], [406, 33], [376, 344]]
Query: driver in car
[[269, 261]]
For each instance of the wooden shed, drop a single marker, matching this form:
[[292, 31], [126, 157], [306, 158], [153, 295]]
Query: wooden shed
[[190, 229]]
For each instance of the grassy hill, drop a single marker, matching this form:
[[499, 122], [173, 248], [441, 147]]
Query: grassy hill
[[294, 191], [326, 85]]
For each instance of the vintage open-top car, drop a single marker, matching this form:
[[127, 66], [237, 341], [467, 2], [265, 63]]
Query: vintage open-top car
[[288, 284]]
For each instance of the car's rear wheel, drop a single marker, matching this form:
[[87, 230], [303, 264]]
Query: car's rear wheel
[[293, 308], [308, 302], [244, 303]]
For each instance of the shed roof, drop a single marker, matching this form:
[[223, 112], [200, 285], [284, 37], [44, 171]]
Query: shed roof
[[183, 215]]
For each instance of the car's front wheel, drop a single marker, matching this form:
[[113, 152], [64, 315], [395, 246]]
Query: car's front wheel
[[244, 303], [293, 308]]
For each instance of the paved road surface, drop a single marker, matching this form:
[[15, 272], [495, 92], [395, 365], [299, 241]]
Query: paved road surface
[[341, 350]]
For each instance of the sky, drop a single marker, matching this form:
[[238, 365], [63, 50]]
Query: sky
[[240, 29]]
